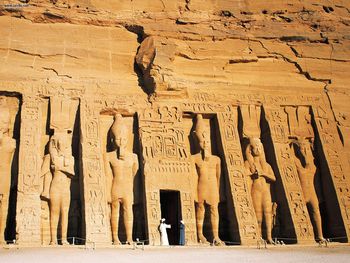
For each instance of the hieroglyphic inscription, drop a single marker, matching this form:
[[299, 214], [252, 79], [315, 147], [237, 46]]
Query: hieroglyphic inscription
[[208, 101], [336, 162], [277, 119], [240, 192], [154, 215], [28, 201], [188, 217], [165, 158], [97, 229]]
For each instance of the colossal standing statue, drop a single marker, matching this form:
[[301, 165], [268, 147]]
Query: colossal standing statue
[[7, 147], [310, 181], [58, 169], [121, 167], [261, 175], [208, 171]]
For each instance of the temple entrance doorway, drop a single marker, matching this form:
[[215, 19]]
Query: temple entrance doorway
[[171, 210]]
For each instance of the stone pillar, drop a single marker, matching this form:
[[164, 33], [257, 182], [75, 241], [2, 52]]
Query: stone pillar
[[302, 227], [335, 162], [240, 192], [28, 197], [188, 215], [94, 182]]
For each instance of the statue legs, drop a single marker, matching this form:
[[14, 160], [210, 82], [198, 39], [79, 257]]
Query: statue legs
[[258, 210], [59, 207], [263, 210], [214, 220], [316, 218], [3, 216], [268, 222], [54, 217], [64, 218], [200, 212], [115, 222], [128, 220]]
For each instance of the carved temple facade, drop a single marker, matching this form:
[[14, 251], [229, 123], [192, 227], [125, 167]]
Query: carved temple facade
[[160, 133]]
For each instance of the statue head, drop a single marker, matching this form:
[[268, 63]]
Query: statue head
[[255, 153], [303, 149], [256, 147], [202, 135], [60, 142], [120, 134]]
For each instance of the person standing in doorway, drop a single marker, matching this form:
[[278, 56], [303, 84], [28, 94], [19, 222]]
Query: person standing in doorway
[[163, 234]]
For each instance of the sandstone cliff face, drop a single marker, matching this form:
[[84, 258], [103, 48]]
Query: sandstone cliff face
[[189, 44], [159, 50]]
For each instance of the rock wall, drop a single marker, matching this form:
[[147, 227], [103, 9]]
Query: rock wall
[[160, 64]]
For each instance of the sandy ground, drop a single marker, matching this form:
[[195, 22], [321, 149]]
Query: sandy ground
[[332, 254]]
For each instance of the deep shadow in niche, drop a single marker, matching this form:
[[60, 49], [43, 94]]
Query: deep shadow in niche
[[332, 223], [139, 225], [228, 224], [14, 101], [75, 221], [282, 224]]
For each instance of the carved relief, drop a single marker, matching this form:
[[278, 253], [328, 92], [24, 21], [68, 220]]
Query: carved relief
[[240, 192], [280, 131], [259, 172], [207, 170], [94, 180], [166, 164], [28, 201], [121, 168], [337, 166], [57, 169], [310, 181]]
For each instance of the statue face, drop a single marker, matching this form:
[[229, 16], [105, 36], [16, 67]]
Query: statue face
[[204, 141], [61, 142], [256, 147], [304, 148], [121, 138]]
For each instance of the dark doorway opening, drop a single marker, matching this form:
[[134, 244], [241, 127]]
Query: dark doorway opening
[[170, 205]]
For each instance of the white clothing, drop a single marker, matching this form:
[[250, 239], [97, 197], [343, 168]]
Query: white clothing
[[163, 234]]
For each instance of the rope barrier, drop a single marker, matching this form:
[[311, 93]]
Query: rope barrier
[[261, 243]]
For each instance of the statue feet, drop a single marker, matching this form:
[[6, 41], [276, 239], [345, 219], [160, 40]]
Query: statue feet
[[203, 240], [270, 241], [217, 242], [65, 242], [117, 242], [321, 240], [53, 243]]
